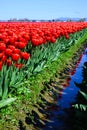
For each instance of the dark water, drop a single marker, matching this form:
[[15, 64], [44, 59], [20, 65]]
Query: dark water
[[61, 114]]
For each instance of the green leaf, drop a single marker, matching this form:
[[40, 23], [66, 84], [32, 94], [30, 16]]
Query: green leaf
[[13, 77], [83, 107], [5, 86], [39, 67], [84, 94], [56, 56], [76, 106], [1, 82], [80, 106], [5, 102]]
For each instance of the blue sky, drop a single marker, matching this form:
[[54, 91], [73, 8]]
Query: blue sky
[[42, 9]]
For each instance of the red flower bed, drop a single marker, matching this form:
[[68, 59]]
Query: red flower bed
[[14, 37]]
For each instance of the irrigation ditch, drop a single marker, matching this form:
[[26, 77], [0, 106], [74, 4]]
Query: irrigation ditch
[[47, 114]]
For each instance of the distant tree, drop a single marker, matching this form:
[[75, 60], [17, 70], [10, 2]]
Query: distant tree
[[82, 20], [12, 20], [69, 20]]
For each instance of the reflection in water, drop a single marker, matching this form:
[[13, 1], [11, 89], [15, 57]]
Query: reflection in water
[[81, 99], [62, 113]]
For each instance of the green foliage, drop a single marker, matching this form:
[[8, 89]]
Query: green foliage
[[80, 106], [84, 94], [9, 77], [5, 102]]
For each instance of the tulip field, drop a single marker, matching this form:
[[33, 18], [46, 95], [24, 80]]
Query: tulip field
[[15, 37], [26, 48], [22, 50]]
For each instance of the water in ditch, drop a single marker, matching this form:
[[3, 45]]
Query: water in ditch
[[61, 114]]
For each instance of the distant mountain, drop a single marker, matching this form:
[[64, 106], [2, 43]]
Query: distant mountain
[[43, 20], [71, 19], [63, 19]]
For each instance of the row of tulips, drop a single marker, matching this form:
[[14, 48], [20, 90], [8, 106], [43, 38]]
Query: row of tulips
[[19, 34], [14, 38]]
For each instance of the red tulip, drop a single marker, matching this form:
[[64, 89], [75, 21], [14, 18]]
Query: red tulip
[[35, 42], [4, 58], [11, 47], [8, 52], [21, 45], [53, 40], [17, 51], [9, 62], [1, 55], [19, 66], [15, 57], [67, 36], [2, 47], [0, 65], [25, 55]]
